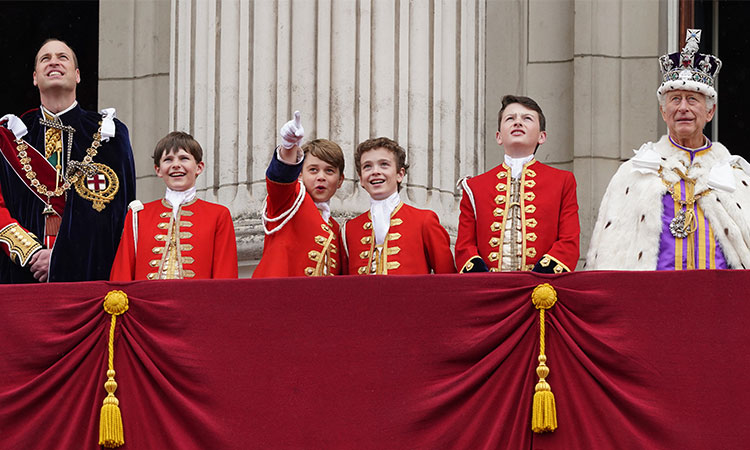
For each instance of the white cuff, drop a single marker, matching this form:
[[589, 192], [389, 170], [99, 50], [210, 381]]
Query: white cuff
[[108, 123]]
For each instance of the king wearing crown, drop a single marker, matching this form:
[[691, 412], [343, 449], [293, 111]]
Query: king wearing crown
[[682, 202]]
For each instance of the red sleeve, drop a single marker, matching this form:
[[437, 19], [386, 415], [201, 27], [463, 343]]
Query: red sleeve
[[566, 248], [5, 221], [466, 240], [225, 247], [437, 245], [281, 197], [123, 268]]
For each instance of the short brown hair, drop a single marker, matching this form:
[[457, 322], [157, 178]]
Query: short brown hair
[[36, 56], [327, 151], [175, 141], [525, 101], [381, 142]]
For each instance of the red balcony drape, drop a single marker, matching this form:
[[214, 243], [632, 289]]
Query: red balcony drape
[[637, 360]]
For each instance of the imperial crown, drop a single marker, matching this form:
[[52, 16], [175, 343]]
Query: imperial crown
[[689, 70]]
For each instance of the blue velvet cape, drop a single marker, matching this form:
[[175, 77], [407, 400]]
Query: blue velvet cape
[[88, 239]]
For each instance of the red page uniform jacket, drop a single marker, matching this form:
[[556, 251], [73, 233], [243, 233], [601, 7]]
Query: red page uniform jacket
[[200, 243], [416, 243], [298, 241], [549, 227]]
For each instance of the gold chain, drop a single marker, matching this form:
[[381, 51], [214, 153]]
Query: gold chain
[[688, 202], [683, 224], [25, 161], [684, 203]]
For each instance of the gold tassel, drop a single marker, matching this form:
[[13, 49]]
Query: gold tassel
[[110, 420], [544, 413]]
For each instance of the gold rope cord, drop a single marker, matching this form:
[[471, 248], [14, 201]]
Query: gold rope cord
[[544, 414], [110, 420]]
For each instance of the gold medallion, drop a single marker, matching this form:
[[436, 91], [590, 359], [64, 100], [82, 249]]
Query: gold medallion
[[100, 188]]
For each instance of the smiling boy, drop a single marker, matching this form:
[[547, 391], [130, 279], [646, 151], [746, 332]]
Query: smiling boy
[[392, 238], [179, 236], [301, 237], [521, 215]]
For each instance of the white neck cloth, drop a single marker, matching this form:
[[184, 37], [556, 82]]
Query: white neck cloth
[[177, 198], [516, 164], [325, 210], [381, 211]]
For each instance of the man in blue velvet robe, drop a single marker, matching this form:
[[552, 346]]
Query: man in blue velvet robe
[[66, 179]]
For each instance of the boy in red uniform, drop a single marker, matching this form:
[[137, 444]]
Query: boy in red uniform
[[302, 239], [521, 215], [179, 236], [392, 238]]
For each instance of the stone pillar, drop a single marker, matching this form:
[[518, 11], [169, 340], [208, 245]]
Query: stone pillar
[[550, 76], [592, 67], [134, 78], [412, 71], [506, 66], [615, 105], [428, 73], [530, 52]]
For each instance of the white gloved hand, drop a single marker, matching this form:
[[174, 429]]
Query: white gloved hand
[[292, 132]]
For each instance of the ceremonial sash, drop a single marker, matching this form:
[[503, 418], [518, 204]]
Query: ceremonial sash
[[45, 172]]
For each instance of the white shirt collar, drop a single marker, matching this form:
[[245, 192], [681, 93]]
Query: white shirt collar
[[177, 198], [381, 211], [516, 164], [47, 111]]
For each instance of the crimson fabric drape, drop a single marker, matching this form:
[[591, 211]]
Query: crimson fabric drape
[[637, 360]]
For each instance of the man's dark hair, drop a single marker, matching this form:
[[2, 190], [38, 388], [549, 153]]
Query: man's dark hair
[[525, 101], [75, 57], [175, 141]]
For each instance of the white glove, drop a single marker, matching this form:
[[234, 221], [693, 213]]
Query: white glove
[[292, 132], [15, 125]]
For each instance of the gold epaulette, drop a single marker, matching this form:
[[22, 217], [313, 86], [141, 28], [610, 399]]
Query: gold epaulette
[[21, 244]]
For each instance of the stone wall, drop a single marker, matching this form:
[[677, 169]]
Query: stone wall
[[134, 78], [429, 74]]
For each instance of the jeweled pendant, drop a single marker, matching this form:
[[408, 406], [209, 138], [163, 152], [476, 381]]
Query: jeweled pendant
[[678, 227], [48, 209]]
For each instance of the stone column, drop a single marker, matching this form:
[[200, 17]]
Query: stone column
[[592, 67], [615, 106], [134, 78], [412, 71], [550, 76], [530, 52]]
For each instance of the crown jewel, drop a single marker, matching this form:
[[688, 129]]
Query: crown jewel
[[689, 70]]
